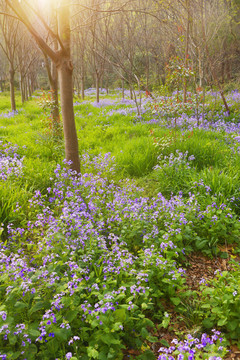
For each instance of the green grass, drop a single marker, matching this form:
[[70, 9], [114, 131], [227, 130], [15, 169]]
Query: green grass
[[132, 144]]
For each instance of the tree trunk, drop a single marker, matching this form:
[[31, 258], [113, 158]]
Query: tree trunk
[[12, 90], [54, 89], [97, 88], [82, 78], [65, 70], [25, 89], [200, 68], [186, 50], [82, 87], [122, 88], [131, 93], [223, 71], [22, 88], [29, 86]]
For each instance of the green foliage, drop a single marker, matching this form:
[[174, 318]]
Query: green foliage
[[200, 212], [220, 302]]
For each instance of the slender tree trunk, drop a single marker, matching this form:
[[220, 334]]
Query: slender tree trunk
[[131, 93], [186, 50], [200, 68], [65, 70], [97, 88], [214, 75], [29, 86], [222, 71], [82, 87], [228, 69], [25, 90], [12, 90], [107, 85], [22, 88], [123, 89], [54, 89], [54, 79], [82, 79]]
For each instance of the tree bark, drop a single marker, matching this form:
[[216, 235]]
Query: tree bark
[[82, 78], [54, 89], [12, 90], [22, 88], [97, 88], [122, 88], [62, 59], [65, 70], [186, 50]]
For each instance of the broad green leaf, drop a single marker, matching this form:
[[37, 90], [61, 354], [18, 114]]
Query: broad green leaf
[[92, 353], [120, 315], [222, 322], [20, 305], [72, 314], [175, 300]]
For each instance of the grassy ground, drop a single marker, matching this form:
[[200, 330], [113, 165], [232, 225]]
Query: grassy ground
[[158, 189]]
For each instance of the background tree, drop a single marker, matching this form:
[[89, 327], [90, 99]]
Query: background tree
[[9, 28]]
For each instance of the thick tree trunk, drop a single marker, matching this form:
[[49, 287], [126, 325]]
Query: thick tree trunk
[[65, 69], [69, 128], [12, 90]]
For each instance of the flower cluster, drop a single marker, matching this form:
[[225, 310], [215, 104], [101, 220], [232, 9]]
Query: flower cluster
[[11, 163], [175, 160], [208, 347]]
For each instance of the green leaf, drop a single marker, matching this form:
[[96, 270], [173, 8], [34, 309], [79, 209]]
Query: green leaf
[[31, 352], [103, 353], [147, 355], [33, 332], [92, 353], [20, 305], [206, 306], [224, 255], [120, 315], [12, 339], [72, 314], [222, 322], [144, 333], [16, 355], [207, 323], [152, 339], [61, 334], [232, 325], [201, 244], [38, 306], [109, 339], [179, 237], [175, 300], [53, 345], [164, 342]]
